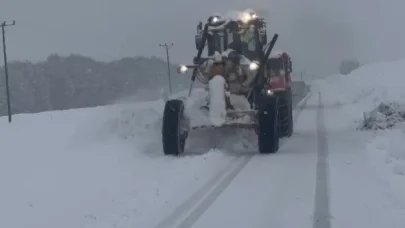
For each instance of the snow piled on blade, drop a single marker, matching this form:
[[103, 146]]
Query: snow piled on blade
[[372, 97], [217, 111], [95, 168]]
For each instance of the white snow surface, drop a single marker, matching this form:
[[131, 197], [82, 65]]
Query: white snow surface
[[97, 167], [103, 167], [362, 91], [365, 170]]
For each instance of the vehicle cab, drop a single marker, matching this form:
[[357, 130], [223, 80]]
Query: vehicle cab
[[279, 69], [247, 36]]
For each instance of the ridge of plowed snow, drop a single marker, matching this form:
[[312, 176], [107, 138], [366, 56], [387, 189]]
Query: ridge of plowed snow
[[367, 86], [362, 91]]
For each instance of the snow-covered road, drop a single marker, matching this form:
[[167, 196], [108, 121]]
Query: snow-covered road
[[267, 190], [320, 178], [104, 167]]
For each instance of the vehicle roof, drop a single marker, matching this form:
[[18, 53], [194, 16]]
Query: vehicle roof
[[230, 16]]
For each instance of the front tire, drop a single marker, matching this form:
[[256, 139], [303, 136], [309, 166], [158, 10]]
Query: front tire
[[173, 135], [268, 128]]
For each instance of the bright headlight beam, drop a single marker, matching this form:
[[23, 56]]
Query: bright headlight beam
[[183, 69], [215, 19], [253, 66], [245, 17]]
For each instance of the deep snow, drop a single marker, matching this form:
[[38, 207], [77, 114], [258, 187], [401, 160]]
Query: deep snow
[[96, 167], [361, 92], [103, 167]]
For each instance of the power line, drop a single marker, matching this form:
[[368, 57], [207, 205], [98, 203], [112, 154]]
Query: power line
[[167, 47], [3, 25]]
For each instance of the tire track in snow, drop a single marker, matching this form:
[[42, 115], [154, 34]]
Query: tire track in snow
[[206, 202], [205, 196], [187, 213], [322, 209]]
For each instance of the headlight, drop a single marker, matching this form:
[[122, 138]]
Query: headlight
[[253, 66], [182, 69], [269, 92], [215, 19], [245, 17]]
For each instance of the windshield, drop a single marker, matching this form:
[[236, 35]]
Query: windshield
[[215, 43], [242, 40], [248, 42], [247, 37], [275, 65]]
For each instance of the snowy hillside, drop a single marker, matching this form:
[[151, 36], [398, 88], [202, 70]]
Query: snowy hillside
[[358, 94], [367, 86]]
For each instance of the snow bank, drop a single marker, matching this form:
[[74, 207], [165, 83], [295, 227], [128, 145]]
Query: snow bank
[[377, 92], [367, 86], [387, 155], [96, 167], [383, 117], [389, 145]]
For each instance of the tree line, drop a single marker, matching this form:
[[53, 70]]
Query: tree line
[[75, 81]]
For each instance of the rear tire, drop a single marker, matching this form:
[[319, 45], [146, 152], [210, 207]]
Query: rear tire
[[285, 113], [173, 136], [290, 118], [268, 129]]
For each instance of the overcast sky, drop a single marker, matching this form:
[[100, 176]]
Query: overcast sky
[[317, 33]]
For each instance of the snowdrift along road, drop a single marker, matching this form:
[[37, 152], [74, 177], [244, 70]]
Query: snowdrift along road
[[103, 167]]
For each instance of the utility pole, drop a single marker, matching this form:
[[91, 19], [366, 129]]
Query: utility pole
[[167, 46], [3, 25]]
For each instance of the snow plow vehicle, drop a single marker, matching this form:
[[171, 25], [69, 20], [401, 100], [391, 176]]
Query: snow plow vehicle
[[237, 68]]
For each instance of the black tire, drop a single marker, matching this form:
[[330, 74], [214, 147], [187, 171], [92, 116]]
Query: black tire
[[290, 118], [268, 129], [285, 113], [173, 139]]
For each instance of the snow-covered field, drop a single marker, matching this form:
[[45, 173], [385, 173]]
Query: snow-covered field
[[103, 167]]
